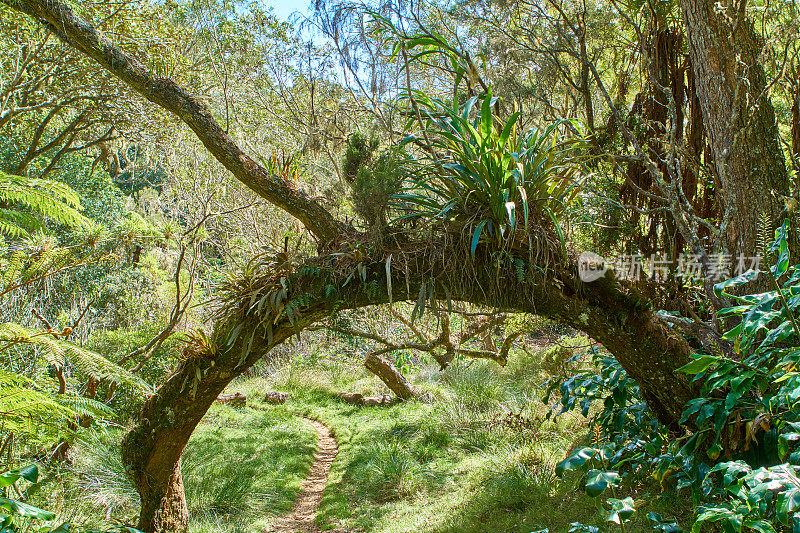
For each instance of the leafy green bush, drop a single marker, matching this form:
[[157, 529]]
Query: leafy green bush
[[115, 344], [357, 154], [747, 411], [99, 195], [373, 180]]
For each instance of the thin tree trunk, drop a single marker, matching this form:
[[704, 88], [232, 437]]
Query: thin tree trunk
[[91, 392], [795, 95], [585, 89], [391, 377], [726, 55]]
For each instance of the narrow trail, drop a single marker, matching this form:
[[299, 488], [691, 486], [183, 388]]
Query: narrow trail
[[301, 518]]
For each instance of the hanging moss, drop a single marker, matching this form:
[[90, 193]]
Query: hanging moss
[[359, 152], [373, 180]]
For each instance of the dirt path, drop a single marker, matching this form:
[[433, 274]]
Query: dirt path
[[301, 519]]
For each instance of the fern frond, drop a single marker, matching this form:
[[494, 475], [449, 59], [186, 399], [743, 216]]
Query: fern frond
[[16, 224], [82, 406], [30, 413], [764, 233], [47, 198], [33, 257], [11, 268], [60, 352]]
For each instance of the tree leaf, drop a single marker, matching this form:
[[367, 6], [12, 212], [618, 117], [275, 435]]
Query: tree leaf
[[25, 510], [741, 279], [30, 473], [598, 481], [621, 510], [577, 459], [476, 235], [699, 365]]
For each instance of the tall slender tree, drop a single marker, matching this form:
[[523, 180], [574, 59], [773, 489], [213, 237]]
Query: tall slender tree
[[727, 57]]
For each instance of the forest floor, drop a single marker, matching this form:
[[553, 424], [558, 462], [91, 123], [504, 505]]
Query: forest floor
[[302, 517], [446, 463], [475, 453]]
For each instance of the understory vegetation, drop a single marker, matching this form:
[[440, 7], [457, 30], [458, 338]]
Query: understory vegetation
[[476, 452], [534, 264]]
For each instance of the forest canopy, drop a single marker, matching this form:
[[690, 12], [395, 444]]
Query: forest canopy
[[521, 250]]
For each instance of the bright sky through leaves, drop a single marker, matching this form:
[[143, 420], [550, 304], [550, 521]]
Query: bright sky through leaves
[[284, 8]]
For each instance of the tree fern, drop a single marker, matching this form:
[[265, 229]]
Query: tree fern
[[60, 352], [83, 406], [23, 199], [12, 267], [27, 412], [33, 257]]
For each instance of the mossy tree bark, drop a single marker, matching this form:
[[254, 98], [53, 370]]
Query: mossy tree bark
[[616, 317], [730, 81]]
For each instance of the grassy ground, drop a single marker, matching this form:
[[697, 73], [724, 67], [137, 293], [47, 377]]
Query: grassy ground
[[241, 469], [244, 466], [475, 456]]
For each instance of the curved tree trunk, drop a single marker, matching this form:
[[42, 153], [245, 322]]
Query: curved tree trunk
[[648, 350], [601, 309]]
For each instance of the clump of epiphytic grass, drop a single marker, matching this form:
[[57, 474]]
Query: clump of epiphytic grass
[[488, 172]]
